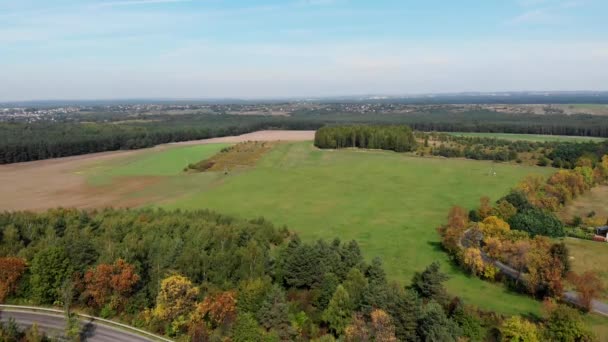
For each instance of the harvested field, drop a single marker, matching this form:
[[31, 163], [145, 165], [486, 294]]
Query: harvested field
[[51, 183]]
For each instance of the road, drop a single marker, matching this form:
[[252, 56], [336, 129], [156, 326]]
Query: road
[[596, 306], [54, 325], [569, 296]]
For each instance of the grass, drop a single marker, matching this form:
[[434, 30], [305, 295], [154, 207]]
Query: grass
[[170, 162], [529, 137], [390, 203], [589, 256]]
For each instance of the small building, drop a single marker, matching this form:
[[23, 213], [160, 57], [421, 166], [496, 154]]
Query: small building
[[601, 231]]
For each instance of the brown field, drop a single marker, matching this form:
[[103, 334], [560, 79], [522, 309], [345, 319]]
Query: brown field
[[44, 184]]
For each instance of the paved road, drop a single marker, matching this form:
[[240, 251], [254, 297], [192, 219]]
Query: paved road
[[569, 296], [596, 306], [54, 325]]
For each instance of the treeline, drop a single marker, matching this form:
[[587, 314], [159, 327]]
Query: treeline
[[20, 142], [397, 138], [80, 134]]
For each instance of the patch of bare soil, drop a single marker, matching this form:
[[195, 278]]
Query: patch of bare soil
[[51, 183]]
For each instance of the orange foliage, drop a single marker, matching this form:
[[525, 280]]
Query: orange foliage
[[219, 308], [588, 285], [105, 281], [11, 270], [485, 208], [458, 221], [357, 330]]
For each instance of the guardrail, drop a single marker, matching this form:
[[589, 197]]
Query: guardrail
[[93, 318]]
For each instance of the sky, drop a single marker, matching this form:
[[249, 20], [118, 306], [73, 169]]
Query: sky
[[105, 49]]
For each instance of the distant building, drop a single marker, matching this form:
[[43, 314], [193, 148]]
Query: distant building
[[601, 231]]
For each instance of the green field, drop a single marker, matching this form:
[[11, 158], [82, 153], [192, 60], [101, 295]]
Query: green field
[[390, 203], [528, 137], [168, 162]]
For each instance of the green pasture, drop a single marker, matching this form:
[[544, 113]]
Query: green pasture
[[528, 137], [168, 162]]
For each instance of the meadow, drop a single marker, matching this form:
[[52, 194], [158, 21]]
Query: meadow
[[390, 203], [528, 137]]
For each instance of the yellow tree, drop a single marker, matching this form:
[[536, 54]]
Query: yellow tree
[[177, 297], [516, 329]]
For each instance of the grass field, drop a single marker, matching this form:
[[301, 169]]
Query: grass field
[[390, 203], [589, 256], [170, 162], [528, 137]]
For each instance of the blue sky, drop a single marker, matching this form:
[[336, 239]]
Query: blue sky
[[88, 49]]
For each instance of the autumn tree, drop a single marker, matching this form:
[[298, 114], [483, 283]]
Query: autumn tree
[[588, 285], [357, 330], [517, 329], [451, 233], [382, 326], [11, 270], [485, 208], [472, 261], [110, 283], [177, 296], [219, 309]]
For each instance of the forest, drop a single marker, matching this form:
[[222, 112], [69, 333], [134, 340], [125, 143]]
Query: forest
[[80, 134], [398, 138], [202, 276]]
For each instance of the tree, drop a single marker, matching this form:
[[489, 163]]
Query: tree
[[251, 294], [274, 312], [588, 285], [177, 296], [382, 327], [219, 308], [50, 268], [404, 307], [11, 270], [538, 222], [429, 283], [338, 312], [246, 329], [494, 226], [485, 209], [504, 210], [357, 330], [472, 261], [566, 324], [355, 284], [516, 329], [434, 325], [113, 283]]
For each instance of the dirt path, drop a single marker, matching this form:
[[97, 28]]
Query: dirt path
[[52, 183]]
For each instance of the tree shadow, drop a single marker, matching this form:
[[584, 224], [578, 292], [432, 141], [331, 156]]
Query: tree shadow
[[87, 331]]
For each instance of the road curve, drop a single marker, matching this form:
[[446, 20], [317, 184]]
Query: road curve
[[54, 325]]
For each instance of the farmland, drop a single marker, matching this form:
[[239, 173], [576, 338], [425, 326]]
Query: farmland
[[390, 203]]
